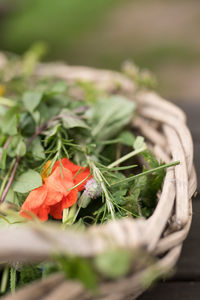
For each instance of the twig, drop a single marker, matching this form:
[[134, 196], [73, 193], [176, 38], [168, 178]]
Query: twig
[[12, 176], [6, 144], [10, 179], [38, 131]]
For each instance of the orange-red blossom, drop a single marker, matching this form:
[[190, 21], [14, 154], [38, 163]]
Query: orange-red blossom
[[55, 194]]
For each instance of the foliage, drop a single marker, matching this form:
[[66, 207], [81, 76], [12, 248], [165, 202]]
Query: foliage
[[29, 273], [114, 263], [41, 126], [27, 181], [79, 269]]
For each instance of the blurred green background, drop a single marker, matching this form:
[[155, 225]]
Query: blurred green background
[[162, 35]]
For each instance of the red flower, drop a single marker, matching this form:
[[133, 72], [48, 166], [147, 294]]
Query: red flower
[[55, 194]]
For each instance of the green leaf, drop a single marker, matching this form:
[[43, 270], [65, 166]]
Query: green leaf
[[79, 269], [31, 100], [21, 148], [132, 200], [26, 124], [45, 114], [109, 116], [3, 139], [91, 92], [9, 121], [7, 220], [113, 180], [153, 182], [150, 158], [36, 116], [58, 88], [37, 149], [3, 110], [17, 147], [71, 120], [119, 198], [29, 273], [139, 143], [126, 138], [48, 269], [27, 181], [50, 133], [114, 263], [11, 197]]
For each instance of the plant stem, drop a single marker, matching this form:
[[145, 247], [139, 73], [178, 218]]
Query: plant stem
[[57, 156], [98, 177], [10, 179], [75, 186], [69, 215], [6, 144], [127, 156], [12, 279], [6, 178], [72, 213], [4, 280], [147, 172], [38, 131], [65, 215]]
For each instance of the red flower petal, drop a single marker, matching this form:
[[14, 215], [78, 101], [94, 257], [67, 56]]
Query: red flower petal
[[67, 164], [53, 196], [35, 199], [81, 176], [56, 211], [70, 199], [60, 183], [35, 203], [42, 213]]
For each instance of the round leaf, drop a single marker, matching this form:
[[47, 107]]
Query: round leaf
[[27, 181], [113, 264]]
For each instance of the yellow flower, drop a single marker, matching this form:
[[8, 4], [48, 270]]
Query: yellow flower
[[2, 90], [45, 170]]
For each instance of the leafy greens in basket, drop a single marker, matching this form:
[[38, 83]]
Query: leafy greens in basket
[[70, 158]]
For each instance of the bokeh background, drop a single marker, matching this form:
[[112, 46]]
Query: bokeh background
[[162, 35]]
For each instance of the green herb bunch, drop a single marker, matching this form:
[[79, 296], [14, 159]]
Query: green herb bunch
[[40, 122]]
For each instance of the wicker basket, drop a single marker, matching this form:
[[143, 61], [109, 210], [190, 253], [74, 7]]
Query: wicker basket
[[162, 235]]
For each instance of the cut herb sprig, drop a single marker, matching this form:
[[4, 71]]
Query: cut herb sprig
[[126, 157], [147, 173], [98, 176]]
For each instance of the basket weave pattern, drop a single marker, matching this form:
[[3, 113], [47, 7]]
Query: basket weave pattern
[[162, 235]]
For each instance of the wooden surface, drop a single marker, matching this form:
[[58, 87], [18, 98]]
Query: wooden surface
[[185, 284]]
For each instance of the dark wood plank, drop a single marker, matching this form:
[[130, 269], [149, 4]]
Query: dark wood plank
[[188, 267], [173, 291], [192, 110], [197, 162]]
